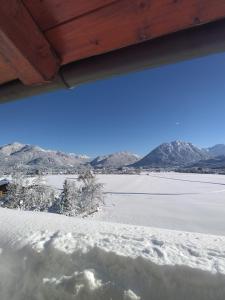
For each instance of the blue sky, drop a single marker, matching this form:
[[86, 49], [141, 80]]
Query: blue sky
[[135, 112]]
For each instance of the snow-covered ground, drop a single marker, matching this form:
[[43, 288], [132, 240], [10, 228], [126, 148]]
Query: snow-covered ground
[[189, 202], [47, 256]]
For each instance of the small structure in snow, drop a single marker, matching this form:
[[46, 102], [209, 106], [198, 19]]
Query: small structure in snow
[[3, 187]]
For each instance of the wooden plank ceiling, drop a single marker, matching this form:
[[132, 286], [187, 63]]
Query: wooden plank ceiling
[[24, 46], [36, 37]]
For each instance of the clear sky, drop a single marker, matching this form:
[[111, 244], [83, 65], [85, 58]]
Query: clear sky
[[135, 112]]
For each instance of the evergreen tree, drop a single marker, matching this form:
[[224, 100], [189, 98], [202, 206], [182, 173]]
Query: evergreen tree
[[69, 199]]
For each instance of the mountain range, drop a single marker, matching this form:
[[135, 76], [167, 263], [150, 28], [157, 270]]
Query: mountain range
[[29, 156], [167, 155]]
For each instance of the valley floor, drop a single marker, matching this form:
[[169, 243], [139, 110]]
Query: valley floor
[[189, 202]]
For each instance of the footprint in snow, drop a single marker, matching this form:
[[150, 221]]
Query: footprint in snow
[[157, 242], [158, 252]]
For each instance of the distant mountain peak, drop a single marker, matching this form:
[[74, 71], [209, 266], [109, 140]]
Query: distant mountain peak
[[115, 160], [8, 149], [15, 144], [175, 153]]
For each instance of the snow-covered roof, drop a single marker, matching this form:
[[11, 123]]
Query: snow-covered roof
[[4, 181]]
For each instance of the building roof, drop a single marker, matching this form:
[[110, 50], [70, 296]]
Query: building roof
[[40, 38]]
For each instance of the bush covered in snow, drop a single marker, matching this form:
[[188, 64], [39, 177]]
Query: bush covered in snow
[[21, 194], [84, 199]]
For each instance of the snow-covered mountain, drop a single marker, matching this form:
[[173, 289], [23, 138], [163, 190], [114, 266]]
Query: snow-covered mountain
[[24, 155], [217, 150], [115, 160], [176, 153]]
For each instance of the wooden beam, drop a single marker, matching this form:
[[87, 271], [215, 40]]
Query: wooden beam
[[128, 22], [51, 13], [7, 73], [24, 46]]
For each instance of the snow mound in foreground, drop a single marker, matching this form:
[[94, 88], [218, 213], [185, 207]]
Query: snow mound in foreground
[[52, 257]]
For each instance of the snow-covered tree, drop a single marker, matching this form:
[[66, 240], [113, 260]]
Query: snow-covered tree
[[83, 200], [69, 199], [40, 197], [16, 195], [22, 194], [90, 193]]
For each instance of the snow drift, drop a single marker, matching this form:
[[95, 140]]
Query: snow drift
[[97, 274], [55, 257]]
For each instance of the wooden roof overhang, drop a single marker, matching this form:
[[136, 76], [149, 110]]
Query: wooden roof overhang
[[50, 44]]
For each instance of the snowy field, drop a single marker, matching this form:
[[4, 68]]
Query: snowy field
[[46, 256], [188, 202]]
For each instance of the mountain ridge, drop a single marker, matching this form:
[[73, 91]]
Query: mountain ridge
[[26, 155], [167, 155], [217, 150]]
